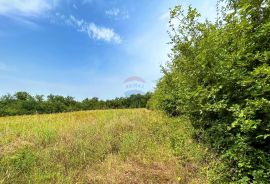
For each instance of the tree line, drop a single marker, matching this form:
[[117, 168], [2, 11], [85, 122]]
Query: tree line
[[22, 103], [219, 76]]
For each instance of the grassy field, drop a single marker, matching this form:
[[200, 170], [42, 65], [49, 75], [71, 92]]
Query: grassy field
[[110, 146]]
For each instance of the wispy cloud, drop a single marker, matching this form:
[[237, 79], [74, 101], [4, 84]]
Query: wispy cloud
[[94, 31], [26, 12], [103, 33], [117, 13], [113, 12], [25, 7]]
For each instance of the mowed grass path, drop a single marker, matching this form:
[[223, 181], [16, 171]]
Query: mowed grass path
[[106, 146]]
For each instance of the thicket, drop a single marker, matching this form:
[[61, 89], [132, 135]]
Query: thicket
[[23, 103], [219, 75]]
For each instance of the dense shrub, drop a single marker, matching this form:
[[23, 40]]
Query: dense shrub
[[219, 75]]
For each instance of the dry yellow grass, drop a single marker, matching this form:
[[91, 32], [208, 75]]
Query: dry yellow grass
[[107, 146]]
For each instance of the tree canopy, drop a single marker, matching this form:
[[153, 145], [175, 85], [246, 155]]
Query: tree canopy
[[23, 103]]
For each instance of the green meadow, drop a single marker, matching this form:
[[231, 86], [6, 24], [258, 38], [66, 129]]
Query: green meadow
[[103, 146]]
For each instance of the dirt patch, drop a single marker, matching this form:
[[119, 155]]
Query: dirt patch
[[115, 170], [11, 148]]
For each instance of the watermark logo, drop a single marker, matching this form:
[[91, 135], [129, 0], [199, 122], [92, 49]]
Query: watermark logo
[[134, 85]]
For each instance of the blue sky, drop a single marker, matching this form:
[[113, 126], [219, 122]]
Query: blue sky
[[84, 48]]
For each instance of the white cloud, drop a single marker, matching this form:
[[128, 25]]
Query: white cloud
[[113, 12], [117, 13], [91, 29], [103, 33], [25, 7]]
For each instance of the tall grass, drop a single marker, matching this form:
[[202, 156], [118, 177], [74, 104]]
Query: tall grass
[[108, 146]]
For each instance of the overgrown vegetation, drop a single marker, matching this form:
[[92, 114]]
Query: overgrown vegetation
[[23, 103], [218, 79], [219, 75], [105, 146]]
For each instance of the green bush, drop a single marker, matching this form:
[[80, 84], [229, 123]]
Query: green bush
[[219, 75]]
